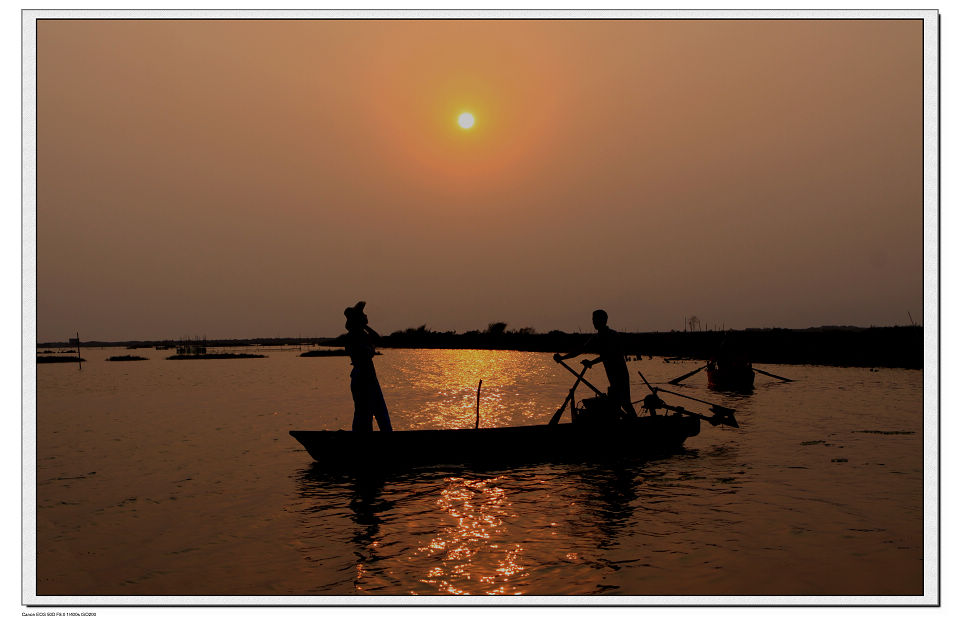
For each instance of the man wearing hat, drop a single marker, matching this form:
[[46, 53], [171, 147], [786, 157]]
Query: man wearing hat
[[367, 396]]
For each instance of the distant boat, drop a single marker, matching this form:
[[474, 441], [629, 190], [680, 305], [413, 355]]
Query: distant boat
[[733, 375]]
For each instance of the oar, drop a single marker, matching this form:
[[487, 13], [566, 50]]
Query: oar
[[585, 382], [757, 370], [692, 398], [682, 377], [721, 415], [651, 388], [559, 413]]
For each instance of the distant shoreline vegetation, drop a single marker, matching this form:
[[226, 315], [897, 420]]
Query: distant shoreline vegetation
[[891, 347]]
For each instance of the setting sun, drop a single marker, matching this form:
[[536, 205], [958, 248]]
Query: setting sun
[[465, 120]]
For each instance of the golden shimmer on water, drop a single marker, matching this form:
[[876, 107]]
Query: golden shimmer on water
[[453, 375], [473, 552]]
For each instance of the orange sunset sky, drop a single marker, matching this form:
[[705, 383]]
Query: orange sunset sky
[[250, 178]]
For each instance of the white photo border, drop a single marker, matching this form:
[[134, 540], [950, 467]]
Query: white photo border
[[931, 288]]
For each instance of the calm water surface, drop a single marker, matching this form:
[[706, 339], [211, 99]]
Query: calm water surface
[[178, 478]]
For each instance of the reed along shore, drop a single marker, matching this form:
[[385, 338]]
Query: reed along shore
[[889, 347]]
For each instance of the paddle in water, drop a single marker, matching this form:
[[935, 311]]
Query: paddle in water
[[682, 377], [757, 370], [559, 413]]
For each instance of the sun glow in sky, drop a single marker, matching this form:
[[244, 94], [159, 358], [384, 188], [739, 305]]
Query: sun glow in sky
[[782, 157]]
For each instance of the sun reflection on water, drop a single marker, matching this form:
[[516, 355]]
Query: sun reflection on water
[[450, 377], [472, 552]]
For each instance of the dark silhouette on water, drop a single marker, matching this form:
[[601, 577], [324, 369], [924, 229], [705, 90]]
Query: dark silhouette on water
[[608, 346], [329, 495], [601, 427], [730, 369], [368, 399]]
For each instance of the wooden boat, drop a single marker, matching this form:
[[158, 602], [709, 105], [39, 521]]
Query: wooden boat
[[603, 440], [730, 375], [598, 430]]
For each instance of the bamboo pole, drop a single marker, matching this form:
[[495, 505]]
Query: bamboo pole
[[477, 426]]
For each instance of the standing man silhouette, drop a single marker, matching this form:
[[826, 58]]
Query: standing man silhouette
[[607, 344], [364, 386]]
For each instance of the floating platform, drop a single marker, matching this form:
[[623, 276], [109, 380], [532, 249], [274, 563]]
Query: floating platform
[[217, 356], [58, 359]]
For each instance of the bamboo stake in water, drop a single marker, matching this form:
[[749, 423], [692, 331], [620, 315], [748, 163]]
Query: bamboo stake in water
[[477, 426], [79, 361]]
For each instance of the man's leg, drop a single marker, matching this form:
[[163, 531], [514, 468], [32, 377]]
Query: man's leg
[[379, 405], [362, 419], [620, 394]]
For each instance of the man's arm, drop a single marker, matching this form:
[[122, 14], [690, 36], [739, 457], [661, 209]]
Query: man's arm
[[559, 358], [586, 349]]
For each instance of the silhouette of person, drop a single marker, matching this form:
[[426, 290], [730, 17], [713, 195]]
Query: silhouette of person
[[607, 344], [730, 356], [364, 386]]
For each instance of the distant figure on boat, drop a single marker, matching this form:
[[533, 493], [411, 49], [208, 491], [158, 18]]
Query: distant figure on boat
[[367, 396], [608, 346], [730, 369]]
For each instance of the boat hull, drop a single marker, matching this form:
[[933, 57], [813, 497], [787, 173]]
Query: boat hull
[[648, 436]]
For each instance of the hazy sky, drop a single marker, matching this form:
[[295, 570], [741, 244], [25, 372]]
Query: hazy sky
[[253, 178]]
